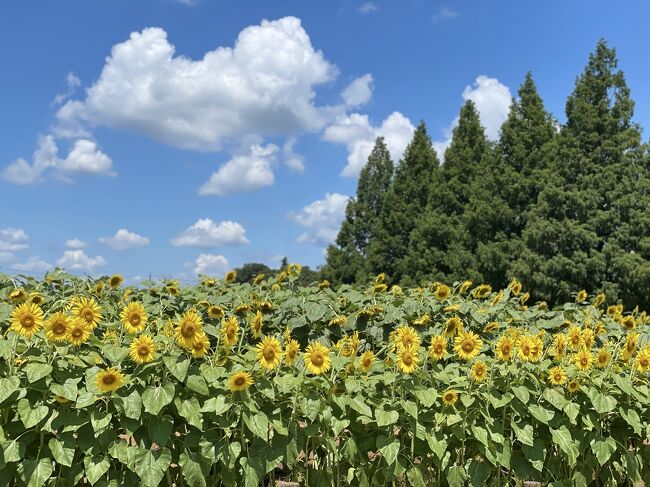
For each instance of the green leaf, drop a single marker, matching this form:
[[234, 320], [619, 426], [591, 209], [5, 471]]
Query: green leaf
[[36, 371], [100, 420], [603, 449], [415, 477], [410, 408], [427, 397], [535, 454], [541, 413], [562, 438], [14, 450], [151, 465], [632, 418], [385, 418], [63, 449], [479, 472], [572, 410], [480, 434], [216, 405], [389, 448], [8, 387], [31, 415], [85, 399], [258, 424], [525, 434], [602, 403], [95, 467], [156, 398], [36, 472], [438, 445], [198, 385], [522, 393], [555, 398], [338, 425], [68, 389], [132, 405], [190, 409], [191, 469], [456, 476], [160, 429], [359, 405], [177, 366]]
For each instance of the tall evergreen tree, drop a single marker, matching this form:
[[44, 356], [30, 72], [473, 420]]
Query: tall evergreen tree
[[346, 260], [404, 204]]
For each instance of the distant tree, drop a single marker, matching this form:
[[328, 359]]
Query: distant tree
[[249, 271]]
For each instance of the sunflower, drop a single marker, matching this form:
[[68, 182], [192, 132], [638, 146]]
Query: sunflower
[[36, 298], [269, 353], [449, 397], [408, 359], [109, 380], [467, 345], [188, 328], [317, 358], [438, 347], [366, 360], [99, 287], [529, 348], [482, 291], [587, 337], [630, 346], [57, 327], [557, 376], [524, 298], [215, 311], [642, 361], [209, 282], [201, 345], [490, 327], [453, 326], [559, 346], [405, 336], [380, 288], [479, 371], [515, 286], [396, 290], [581, 297], [230, 331], [291, 350], [574, 335], [338, 320], [256, 323], [27, 319], [628, 322], [573, 386], [612, 310], [88, 310], [602, 358], [17, 295], [230, 276], [142, 349], [442, 292], [78, 331], [258, 278], [134, 317], [264, 306], [464, 287], [379, 278], [240, 381], [600, 299], [497, 298], [115, 280], [349, 345], [294, 269], [504, 348], [425, 319], [583, 360]]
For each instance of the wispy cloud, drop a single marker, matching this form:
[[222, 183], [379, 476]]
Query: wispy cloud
[[445, 13], [368, 7]]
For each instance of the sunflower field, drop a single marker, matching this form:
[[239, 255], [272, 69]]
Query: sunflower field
[[248, 384]]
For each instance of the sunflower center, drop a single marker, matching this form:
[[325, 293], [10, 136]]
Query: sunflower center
[[135, 319], [58, 328], [505, 349], [188, 330], [525, 349], [557, 377], [468, 345], [27, 321], [240, 381], [109, 379], [438, 349], [77, 332], [317, 359], [407, 359], [269, 354], [143, 350], [449, 397], [87, 314], [644, 362]]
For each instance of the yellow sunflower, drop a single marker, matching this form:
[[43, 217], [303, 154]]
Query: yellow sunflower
[[629, 322], [600, 299], [78, 331], [425, 319], [530, 348], [134, 317], [574, 337], [504, 347], [482, 291], [109, 380], [442, 292], [215, 311], [26, 319], [559, 346], [230, 276], [256, 323], [467, 345], [36, 298], [269, 353], [631, 342], [349, 345], [408, 359], [366, 360], [515, 286], [201, 345], [603, 356], [88, 310], [142, 349], [317, 358], [258, 278], [405, 337], [380, 288], [479, 371], [188, 328], [490, 327], [57, 327], [115, 280], [230, 331], [557, 376], [438, 347], [642, 361], [583, 360], [464, 287], [587, 337], [240, 381], [453, 325], [573, 386], [581, 297], [449, 397], [291, 350], [17, 295]]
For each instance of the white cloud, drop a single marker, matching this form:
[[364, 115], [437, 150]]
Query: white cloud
[[368, 7], [492, 99], [77, 260], [245, 172], [6, 256], [293, 161], [13, 240], [210, 264], [357, 133], [75, 243], [32, 264], [359, 91], [321, 219], [264, 85], [445, 13], [123, 240], [85, 157], [206, 233], [72, 82]]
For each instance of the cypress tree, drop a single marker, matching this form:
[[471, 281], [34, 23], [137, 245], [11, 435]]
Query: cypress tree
[[403, 206]]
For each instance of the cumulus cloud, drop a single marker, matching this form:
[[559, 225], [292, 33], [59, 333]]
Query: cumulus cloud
[[77, 260], [85, 157], [72, 82], [206, 233], [75, 243], [293, 161], [359, 91], [210, 264], [492, 99], [358, 134], [245, 172], [13, 240], [263, 85], [321, 219], [445, 13], [368, 7], [123, 240], [32, 264]]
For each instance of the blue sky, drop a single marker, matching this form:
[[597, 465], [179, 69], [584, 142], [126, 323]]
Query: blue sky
[[170, 138]]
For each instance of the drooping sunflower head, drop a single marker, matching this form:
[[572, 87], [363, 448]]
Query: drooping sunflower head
[[515, 286], [453, 325], [464, 287], [490, 327], [366, 360], [291, 350], [258, 278], [115, 280], [88, 310], [583, 360], [600, 299], [338, 320], [380, 278], [215, 311], [408, 359], [396, 290], [36, 298], [603, 356], [57, 327], [78, 331], [405, 337], [27, 319], [467, 345], [581, 297], [349, 345], [559, 346], [317, 358], [269, 353], [240, 381], [438, 347], [109, 380], [230, 331], [200, 346], [504, 347], [442, 292], [479, 371], [482, 291], [449, 397], [380, 288], [642, 361], [628, 322], [587, 337], [134, 317], [188, 327], [256, 323], [142, 349], [17, 295], [557, 376], [631, 342], [294, 269], [425, 319], [230, 276]]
